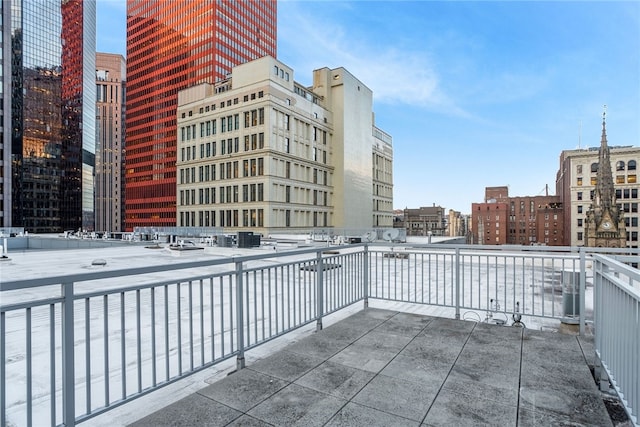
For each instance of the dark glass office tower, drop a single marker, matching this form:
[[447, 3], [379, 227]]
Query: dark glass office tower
[[48, 146]]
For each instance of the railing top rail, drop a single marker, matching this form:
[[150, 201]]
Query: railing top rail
[[629, 275], [106, 274]]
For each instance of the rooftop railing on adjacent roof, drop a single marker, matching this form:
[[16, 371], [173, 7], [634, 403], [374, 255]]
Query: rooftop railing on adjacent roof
[[76, 346]]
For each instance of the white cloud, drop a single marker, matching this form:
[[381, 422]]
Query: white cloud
[[396, 75]]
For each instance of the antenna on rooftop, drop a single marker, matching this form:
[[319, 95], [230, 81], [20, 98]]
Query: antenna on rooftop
[[580, 135]]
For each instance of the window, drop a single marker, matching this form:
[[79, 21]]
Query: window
[[579, 235], [579, 208], [620, 179], [579, 183], [579, 222], [579, 195], [579, 169], [631, 165], [594, 167], [594, 180], [631, 179], [620, 166]]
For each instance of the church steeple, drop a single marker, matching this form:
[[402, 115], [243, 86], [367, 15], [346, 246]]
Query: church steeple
[[604, 222], [604, 192]]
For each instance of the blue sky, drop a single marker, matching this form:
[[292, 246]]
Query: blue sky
[[475, 94]]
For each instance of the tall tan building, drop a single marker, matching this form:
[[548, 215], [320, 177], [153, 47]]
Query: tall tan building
[[110, 144], [260, 152], [576, 184]]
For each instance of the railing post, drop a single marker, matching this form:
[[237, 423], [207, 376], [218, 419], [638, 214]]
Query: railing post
[[365, 284], [239, 316], [68, 374], [583, 281], [319, 290], [457, 280]]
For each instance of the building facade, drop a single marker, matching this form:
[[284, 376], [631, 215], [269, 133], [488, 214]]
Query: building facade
[[576, 183], [110, 143], [457, 224], [425, 221], [525, 220], [382, 164], [259, 152], [48, 113], [173, 45]]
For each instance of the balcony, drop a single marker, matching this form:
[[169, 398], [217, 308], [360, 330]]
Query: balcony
[[138, 330]]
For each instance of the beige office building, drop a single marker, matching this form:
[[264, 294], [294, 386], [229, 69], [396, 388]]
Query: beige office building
[[259, 152], [110, 144], [576, 183]]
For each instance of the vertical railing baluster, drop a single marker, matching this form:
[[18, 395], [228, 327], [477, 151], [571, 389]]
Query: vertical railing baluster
[[457, 282], [213, 330], [583, 280], [105, 326], [319, 290], [87, 344], [52, 363], [68, 362], [29, 364], [123, 359], [3, 376], [139, 340], [239, 316], [167, 356], [201, 322], [153, 336], [190, 325], [366, 284], [179, 324]]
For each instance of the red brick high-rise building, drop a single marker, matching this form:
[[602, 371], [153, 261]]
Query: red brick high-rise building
[[172, 45], [526, 220]]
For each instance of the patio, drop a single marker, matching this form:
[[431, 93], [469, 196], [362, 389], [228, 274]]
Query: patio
[[381, 367]]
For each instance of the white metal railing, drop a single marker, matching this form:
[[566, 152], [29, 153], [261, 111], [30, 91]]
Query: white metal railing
[[617, 330], [72, 347]]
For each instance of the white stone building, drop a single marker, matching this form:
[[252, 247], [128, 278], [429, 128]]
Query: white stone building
[[259, 152]]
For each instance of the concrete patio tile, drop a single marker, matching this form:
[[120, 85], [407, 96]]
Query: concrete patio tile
[[577, 376], [354, 415], [336, 379], [398, 397], [527, 418], [286, 365], [383, 341], [418, 369], [320, 345], [453, 409], [405, 324], [357, 356], [441, 347], [247, 421], [193, 410], [485, 388], [581, 406], [477, 364], [454, 326], [297, 406], [552, 348], [243, 389]]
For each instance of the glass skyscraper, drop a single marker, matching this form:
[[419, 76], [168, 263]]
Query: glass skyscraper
[[172, 45], [48, 108]]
